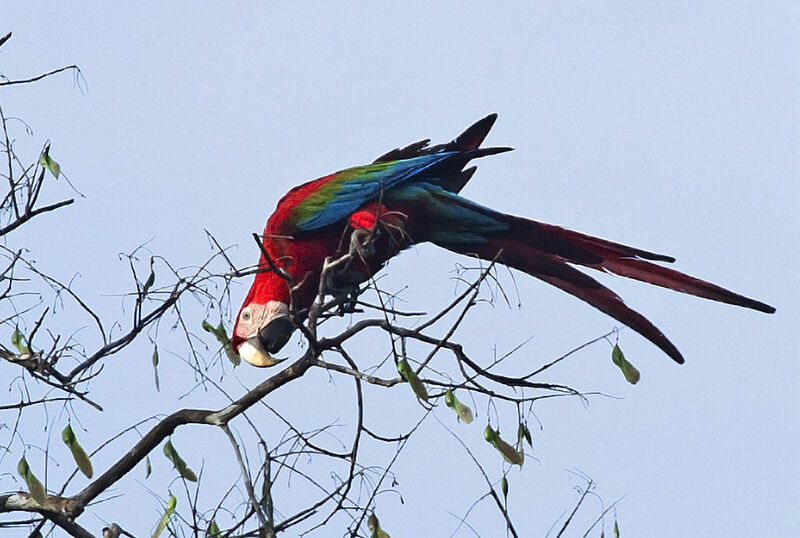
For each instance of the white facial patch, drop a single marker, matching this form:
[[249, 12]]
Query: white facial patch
[[272, 310], [255, 317], [251, 320], [276, 309]]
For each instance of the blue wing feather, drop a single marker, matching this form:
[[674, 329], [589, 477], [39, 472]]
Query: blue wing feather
[[340, 197]]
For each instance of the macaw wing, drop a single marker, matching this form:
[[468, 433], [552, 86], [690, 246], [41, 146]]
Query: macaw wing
[[341, 194]]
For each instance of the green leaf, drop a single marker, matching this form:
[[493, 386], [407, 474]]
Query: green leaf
[[408, 373], [462, 410], [616, 529], [155, 367], [489, 434], [34, 486], [504, 487], [162, 524], [373, 523], [47, 161], [180, 465], [527, 434], [221, 335], [18, 341], [150, 281], [147, 468], [524, 433], [78, 453], [219, 331], [509, 453], [374, 527], [213, 530], [630, 372]]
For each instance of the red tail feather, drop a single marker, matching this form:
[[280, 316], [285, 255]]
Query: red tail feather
[[623, 260], [545, 252], [675, 280], [558, 273]]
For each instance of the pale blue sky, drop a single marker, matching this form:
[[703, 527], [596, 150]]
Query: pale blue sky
[[675, 128]]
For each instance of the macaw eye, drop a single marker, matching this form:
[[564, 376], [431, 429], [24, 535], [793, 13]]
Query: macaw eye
[[246, 315]]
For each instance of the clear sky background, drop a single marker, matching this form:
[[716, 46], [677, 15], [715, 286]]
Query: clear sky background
[[672, 127]]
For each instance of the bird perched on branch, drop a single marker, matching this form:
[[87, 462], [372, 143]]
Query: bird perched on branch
[[409, 196]]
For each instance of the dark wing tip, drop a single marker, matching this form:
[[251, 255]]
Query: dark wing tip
[[474, 135], [675, 355], [412, 150], [483, 152], [656, 257], [470, 139], [762, 307]]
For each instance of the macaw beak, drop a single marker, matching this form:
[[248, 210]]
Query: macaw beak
[[257, 349]]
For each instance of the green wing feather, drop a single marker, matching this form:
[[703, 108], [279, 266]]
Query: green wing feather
[[344, 192]]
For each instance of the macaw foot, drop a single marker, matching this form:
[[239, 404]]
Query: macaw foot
[[343, 284], [348, 304], [362, 243]]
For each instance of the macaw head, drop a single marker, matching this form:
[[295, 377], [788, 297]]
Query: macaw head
[[262, 326]]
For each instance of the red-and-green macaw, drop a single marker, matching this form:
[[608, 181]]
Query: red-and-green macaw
[[408, 196]]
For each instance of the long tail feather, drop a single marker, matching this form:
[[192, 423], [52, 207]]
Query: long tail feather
[[622, 260], [526, 229], [610, 303], [546, 252], [556, 272], [675, 280]]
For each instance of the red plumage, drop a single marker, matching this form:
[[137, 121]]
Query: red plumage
[[410, 195]]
